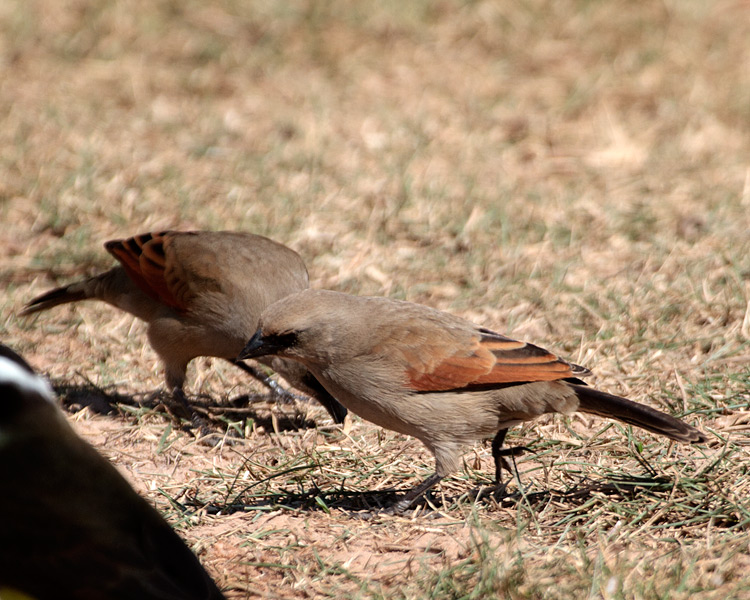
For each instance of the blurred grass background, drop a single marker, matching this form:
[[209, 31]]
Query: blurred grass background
[[575, 173]]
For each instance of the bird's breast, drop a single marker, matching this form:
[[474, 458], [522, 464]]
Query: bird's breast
[[427, 416]]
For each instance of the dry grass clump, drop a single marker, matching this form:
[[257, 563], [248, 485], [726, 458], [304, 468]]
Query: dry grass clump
[[572, 173]]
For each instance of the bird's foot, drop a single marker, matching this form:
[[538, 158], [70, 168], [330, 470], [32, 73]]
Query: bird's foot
[[277, 390], [199, 426]]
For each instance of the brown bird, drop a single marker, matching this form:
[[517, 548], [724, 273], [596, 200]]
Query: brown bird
[[201, 293], [435, 376], [72, 527]]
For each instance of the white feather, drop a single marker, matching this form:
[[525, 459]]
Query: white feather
[[11, 372]]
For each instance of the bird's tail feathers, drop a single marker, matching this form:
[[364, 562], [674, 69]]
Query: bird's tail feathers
[[599, 403], [62, 295]]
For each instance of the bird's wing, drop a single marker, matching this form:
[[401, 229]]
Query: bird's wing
[[488, 359], [145, 259]]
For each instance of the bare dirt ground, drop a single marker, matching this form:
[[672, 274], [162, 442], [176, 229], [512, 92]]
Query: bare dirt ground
[[572, 173]]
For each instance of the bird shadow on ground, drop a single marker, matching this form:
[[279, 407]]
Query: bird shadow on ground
[[314, 500], [108, 401]]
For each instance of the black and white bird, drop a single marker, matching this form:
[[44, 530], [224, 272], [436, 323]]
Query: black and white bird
[[72, 527]]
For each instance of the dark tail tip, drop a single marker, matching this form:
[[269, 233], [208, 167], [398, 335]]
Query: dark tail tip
[[61, 295], [610, 406]]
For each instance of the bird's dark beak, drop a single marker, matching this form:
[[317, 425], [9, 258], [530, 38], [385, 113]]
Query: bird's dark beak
[[255, 347]]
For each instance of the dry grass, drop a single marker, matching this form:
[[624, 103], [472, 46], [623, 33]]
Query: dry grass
[[573, 173]]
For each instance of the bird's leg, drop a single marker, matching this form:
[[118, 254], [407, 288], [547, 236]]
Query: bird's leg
[[179, 395], [267, 381], [499, 453], [197, 421], [414, 494]]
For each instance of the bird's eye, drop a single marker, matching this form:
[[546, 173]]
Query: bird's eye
[[285, 339]]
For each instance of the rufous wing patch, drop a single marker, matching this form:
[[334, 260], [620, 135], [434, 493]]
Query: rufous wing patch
[[128, 252], [144, 259], [490, 359], [452, 372]]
